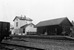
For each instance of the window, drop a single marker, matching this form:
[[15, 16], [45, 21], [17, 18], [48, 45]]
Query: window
[[31, 25], [16, 24]]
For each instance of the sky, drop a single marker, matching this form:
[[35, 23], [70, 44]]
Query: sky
[[38, 10]]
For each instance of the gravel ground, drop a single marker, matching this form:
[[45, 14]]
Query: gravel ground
[[46, 44], [53, 44], [3, 47]]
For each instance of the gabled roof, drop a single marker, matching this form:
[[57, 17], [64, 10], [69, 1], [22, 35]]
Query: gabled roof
[[23, 18], [24, 26], [51, 22]]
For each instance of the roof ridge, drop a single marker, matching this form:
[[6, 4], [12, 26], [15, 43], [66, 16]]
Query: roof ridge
[[51, 22], [55, 19], [23, 18]]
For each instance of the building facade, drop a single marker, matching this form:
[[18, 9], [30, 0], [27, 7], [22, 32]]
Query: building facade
[[20, 21], [28, 29], [60, 26]]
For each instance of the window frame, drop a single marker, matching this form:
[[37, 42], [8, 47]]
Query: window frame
[[16, 24]]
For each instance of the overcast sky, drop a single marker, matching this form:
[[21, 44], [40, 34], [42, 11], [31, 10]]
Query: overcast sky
[[38, 10]]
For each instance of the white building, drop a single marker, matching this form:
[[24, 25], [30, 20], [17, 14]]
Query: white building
[[20, 21], [28, 29]]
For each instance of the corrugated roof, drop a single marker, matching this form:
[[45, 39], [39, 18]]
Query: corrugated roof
[[51, 22]]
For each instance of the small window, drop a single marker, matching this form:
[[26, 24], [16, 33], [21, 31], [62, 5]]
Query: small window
[[16, 24]]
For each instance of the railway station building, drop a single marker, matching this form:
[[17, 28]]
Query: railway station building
[[20, 21], [59, 26]]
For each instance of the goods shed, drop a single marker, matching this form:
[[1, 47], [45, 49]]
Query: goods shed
[[59, 26]]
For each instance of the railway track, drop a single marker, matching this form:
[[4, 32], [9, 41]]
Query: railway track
[[36, 41], [12, 46], [60, 38]]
